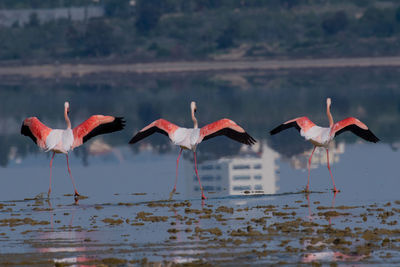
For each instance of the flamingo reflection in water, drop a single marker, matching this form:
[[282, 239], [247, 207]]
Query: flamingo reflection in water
[[58, 243], [323, 136], [326, 255], [190, 138], [63, 141]]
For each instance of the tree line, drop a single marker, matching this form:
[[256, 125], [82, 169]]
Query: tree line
[[188, 29]]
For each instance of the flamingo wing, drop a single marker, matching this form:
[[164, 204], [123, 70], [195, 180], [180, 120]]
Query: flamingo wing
[[159, 126], [355, 126], [228, 128], [96, 125], [36, 130], [301, 123]]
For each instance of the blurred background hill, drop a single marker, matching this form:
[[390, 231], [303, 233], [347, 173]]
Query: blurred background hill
[[37, 31]]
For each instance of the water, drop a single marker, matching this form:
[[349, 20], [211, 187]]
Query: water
[[255, 211]]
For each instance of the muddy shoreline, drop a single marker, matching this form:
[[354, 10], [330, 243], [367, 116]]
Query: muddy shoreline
[[84, 69]]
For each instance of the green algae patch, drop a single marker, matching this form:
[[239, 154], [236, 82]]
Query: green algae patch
[[224, 209], [112, 221], [16, 222], [332, 213], [146, 216], [214, 231], [249, 232], [125, 204]]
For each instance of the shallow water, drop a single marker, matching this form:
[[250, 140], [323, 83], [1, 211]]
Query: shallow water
[[255, 210]]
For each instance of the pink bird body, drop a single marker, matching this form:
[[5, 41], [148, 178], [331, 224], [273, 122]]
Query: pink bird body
[[65, 140], [189, 138], [323, 136]]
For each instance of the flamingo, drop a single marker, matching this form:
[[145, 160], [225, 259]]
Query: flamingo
[[322, 136], [189, 138], [63, 141]]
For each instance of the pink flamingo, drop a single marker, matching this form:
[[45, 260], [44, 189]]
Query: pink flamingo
[[190, 138], [62, 141], [322, 136]]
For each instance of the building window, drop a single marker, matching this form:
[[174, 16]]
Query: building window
[[241, 187], [241, 167], [257, 166], [241, 177], [208, 188], [258, 187], [207, 178], [207, 167], [258, 177]]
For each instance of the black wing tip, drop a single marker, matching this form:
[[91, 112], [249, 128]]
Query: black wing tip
[[249, 140], [23, 130], [143, 134], [119, 123], [133, 140], [27, 132], [114, 126], [284, 126], [246, 139], [370, 136], [365, 134], [276, 130]]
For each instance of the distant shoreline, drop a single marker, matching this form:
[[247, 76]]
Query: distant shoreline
[[72, 70]]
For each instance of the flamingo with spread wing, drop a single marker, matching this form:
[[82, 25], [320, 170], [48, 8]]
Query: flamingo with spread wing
[[63, 141], [322, 136], [190, 138]]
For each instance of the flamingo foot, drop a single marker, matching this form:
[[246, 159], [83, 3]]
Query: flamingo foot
[[335, 190], [203, 196], [307, 189], [76, 194], [172, 193]]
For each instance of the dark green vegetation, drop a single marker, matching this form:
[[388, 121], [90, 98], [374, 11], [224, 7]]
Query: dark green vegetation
[[197, 29]]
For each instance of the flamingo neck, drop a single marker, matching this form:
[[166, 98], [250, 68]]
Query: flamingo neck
[[67, 119], [194, 120], [328, 112]]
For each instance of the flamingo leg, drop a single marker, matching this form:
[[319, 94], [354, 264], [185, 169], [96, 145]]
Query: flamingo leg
[[329, 168], [51, 164], [198, 178], [309, 166], [176, 177], [72, 179], [177, 164]]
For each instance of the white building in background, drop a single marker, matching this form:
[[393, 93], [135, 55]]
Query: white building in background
[[253, 171]]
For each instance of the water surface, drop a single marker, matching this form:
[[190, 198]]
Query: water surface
[[255, 211]]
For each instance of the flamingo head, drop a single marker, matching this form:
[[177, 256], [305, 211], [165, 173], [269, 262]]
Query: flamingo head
[[66, 106], [193, 106], [328, 102]]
